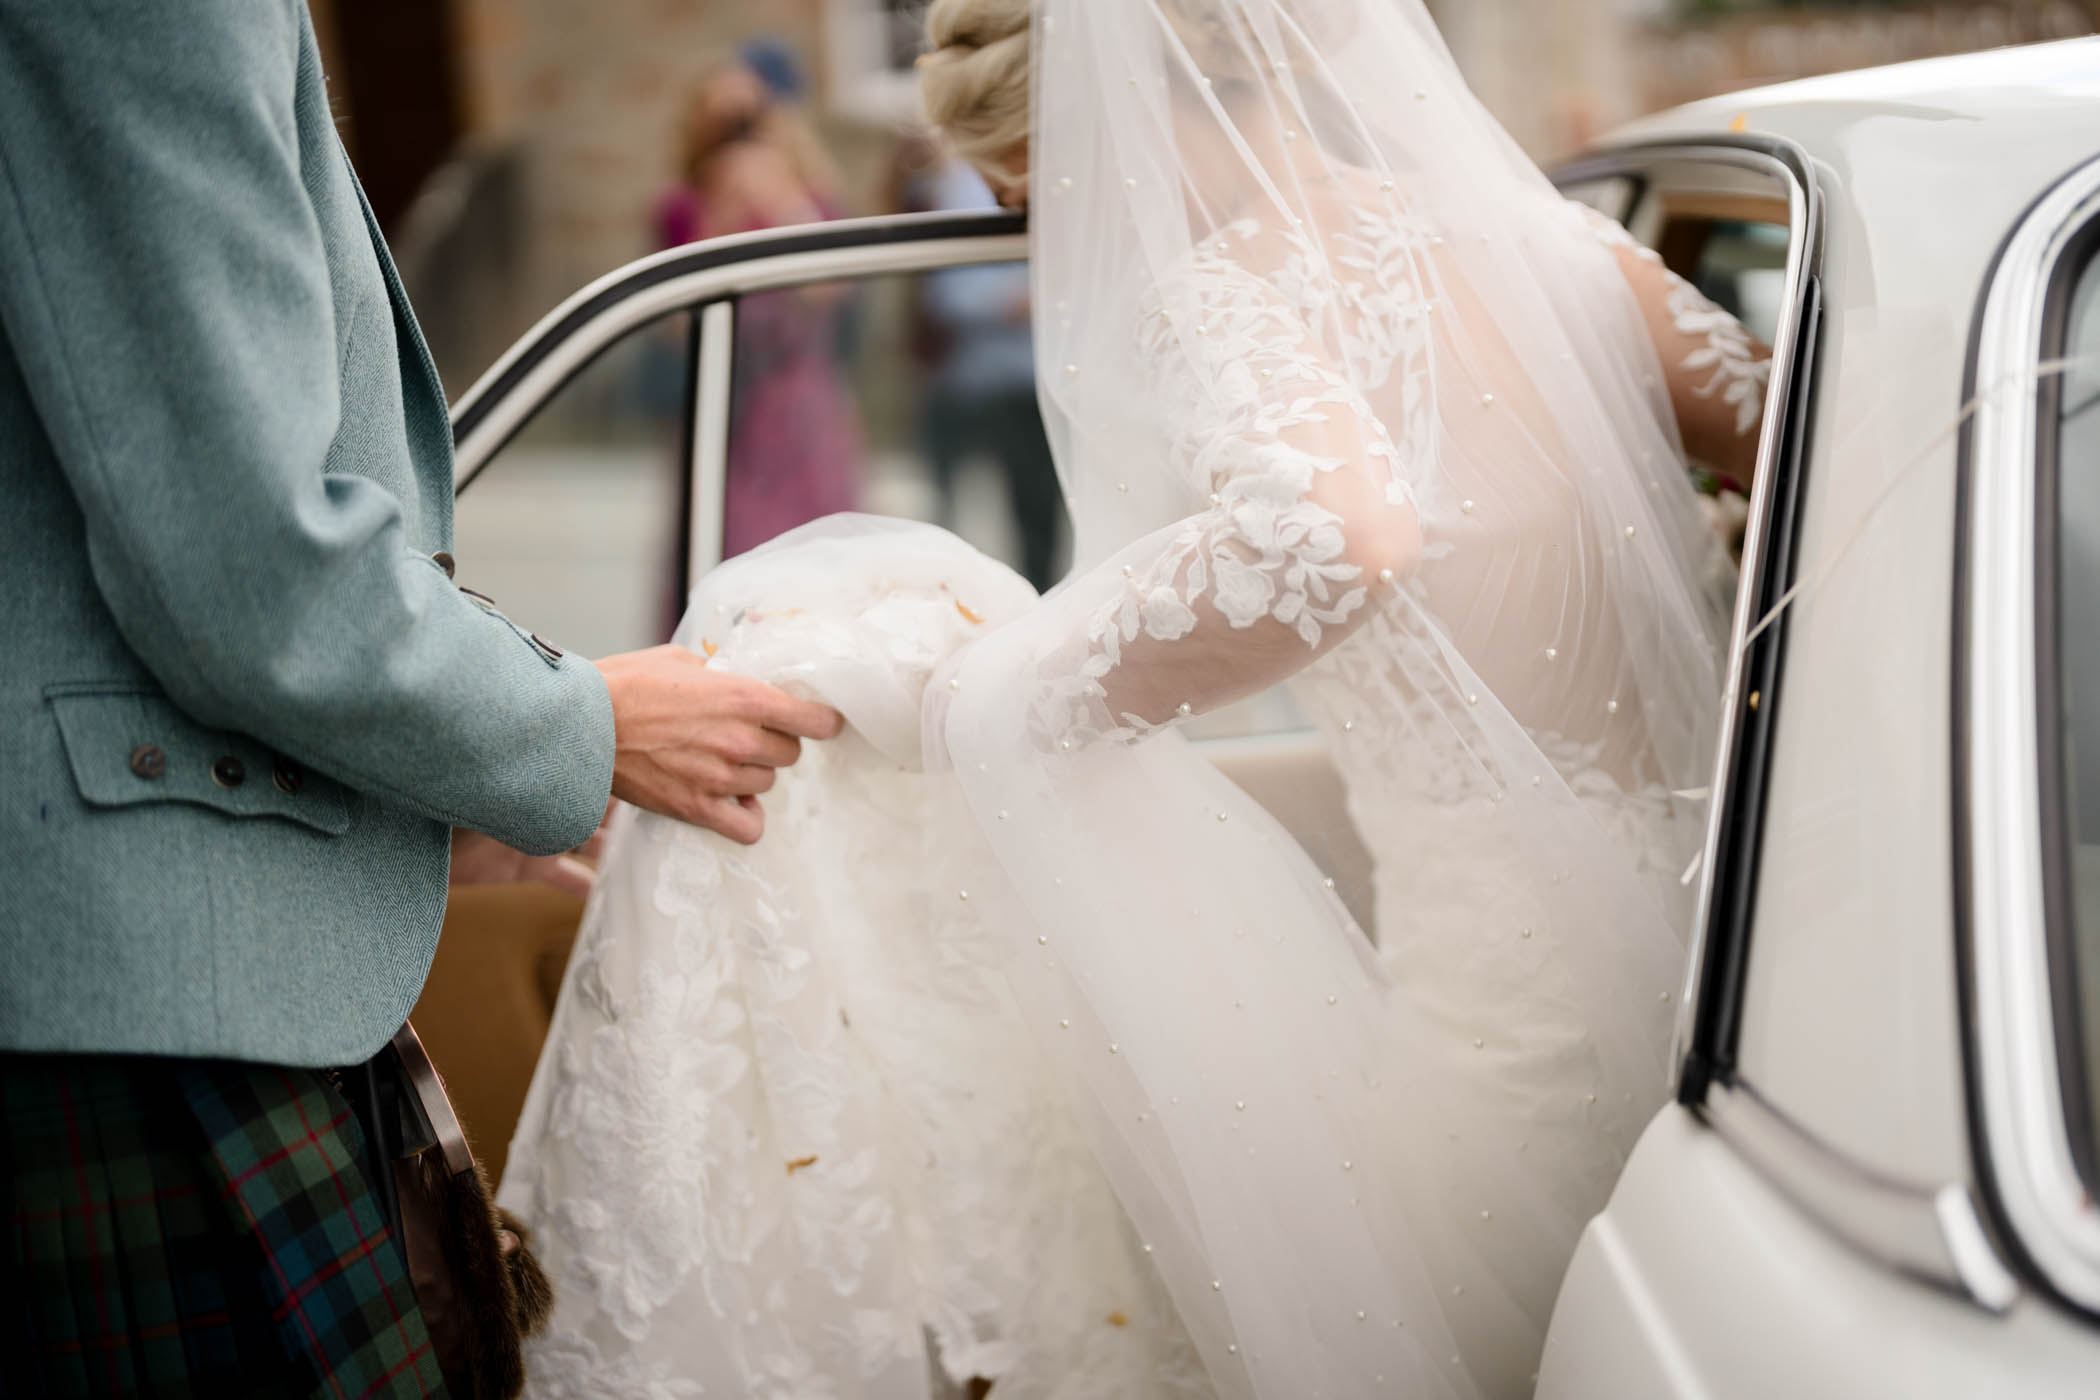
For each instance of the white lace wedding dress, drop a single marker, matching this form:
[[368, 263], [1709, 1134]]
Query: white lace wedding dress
[[1025, 1046], [789, 1123]]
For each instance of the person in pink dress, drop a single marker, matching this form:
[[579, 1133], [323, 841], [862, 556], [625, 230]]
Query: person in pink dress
[[796, 450]]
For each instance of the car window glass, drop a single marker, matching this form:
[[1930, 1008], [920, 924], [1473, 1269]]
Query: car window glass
[[1726, 227], [1613, 195], [1739, 264], [1741, 267], [2077, 447], [575, 526]]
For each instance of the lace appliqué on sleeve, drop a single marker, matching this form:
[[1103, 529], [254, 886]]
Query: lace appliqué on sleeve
[[1728, 358], [1258, 380]]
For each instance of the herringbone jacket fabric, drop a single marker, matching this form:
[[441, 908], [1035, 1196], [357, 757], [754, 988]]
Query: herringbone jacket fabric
[[240, 704]]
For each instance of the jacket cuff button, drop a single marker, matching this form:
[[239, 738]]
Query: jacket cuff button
[[229, 772], [287, 776], [148, 761], [444, 561]]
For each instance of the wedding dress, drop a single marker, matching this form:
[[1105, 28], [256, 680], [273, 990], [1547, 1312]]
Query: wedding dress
[[1025, 1046]]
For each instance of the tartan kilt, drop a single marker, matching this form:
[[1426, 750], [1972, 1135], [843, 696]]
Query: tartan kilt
[[194, 1227]]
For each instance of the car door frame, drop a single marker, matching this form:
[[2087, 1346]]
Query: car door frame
[[1704, 1046], [2012, 928], [706, 281], [1934, 1233]]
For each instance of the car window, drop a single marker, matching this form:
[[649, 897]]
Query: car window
[[1739, 220], [1740, 265], [1731, 247], [2076, 450], [901, 395], [1613, 195], [575, 526]]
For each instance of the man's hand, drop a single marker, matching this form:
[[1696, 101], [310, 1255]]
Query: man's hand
[[701, 745], [483, 860]]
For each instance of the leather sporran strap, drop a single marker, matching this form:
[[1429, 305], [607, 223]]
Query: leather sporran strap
[[431, 1100], [480, 1290]]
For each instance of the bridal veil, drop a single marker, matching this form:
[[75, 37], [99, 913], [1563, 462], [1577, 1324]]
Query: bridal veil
[[1342, 390], [1342, 394]]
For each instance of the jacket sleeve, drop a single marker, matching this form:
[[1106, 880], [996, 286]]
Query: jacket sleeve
[[166, 292]]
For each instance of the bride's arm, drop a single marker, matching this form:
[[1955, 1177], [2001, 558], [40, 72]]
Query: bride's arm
[[1310, 516], [1714, 367]]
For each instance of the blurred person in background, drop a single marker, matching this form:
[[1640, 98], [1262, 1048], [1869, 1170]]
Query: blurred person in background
[[761, 87], [980, 390], [795, 444], [788, 128]]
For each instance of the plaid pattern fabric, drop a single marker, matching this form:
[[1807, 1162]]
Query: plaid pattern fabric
[[196, 1228]]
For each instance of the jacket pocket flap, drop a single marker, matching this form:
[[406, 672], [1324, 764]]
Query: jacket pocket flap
[[127, 746]]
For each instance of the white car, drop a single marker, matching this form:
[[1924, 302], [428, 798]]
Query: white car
[[1877, 1176]]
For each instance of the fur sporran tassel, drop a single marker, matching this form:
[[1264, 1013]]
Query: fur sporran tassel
[[481, 1291], [494, 1295]]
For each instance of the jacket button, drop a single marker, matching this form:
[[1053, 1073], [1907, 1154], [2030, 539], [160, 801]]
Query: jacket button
[[553, 652], [444, 561], [287, 776], [148, 761], [229, 772]]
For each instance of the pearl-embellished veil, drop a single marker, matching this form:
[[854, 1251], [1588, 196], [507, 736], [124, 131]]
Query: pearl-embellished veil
[[1026, 1030], [1344, 394]]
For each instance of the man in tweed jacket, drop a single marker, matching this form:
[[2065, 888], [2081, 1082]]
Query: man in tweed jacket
[[242, 709]]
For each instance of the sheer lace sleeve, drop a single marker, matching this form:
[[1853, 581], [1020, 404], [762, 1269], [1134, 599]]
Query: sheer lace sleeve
[[1715, 368], [1308, 507]]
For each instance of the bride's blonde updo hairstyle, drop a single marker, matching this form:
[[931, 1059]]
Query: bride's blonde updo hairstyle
[[973, 78]]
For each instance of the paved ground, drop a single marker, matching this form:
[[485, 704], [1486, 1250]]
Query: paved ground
[[575, 541]]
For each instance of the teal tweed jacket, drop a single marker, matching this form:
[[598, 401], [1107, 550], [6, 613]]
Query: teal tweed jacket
[[240, 702]]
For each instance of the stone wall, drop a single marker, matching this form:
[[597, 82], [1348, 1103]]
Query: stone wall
[[592, 93], [1678, 61], [572, 110], [1557, 73]]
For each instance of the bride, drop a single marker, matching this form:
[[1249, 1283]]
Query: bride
[[1026, 1049]]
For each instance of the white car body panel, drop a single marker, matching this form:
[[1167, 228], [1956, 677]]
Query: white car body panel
[[1849, 1017], [1704, 1277], [1703, 1282]]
